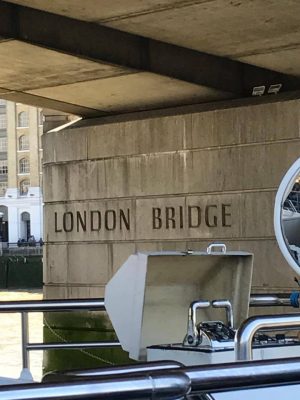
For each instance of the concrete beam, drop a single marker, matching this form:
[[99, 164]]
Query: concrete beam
[[98, 43], [44, 102]]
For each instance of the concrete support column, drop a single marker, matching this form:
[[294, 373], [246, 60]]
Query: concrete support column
[[164, 183]]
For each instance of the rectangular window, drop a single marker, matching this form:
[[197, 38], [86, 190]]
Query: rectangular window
[[2, 121], [3, 167], [3, 144], [3, 187]]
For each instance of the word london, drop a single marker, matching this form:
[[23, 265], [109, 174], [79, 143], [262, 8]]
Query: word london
[[211, 216]]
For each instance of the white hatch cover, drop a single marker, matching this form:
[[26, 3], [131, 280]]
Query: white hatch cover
[[148, 298]]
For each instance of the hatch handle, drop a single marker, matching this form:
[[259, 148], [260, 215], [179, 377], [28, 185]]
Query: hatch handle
[[220, 246], [193, 336]]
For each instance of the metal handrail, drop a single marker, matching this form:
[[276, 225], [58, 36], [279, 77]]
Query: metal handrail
[[59, 305], [120, 370], [245, 334], [165, 384], [269, 300], [52, 305], [24, 307]]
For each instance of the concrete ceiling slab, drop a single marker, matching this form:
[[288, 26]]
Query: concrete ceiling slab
[[25, 66], [93, 11], [140, 54], [44, 102], [133, 92], [222, 27], [228, 28], [284, 60]]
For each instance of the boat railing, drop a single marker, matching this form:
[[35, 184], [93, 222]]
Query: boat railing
[[293, 201], [25, 307], [196, 382], [245, 334]]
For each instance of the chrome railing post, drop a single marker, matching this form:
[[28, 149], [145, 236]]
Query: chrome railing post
[[245, 334], [25, 337]]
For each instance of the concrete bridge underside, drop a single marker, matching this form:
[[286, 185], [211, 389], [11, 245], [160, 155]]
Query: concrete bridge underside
[[96, 58]]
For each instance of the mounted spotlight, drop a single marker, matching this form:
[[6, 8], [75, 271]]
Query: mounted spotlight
[[274, 89], [258, 90]]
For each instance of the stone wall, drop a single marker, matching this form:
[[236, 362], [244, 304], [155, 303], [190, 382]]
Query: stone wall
[[166, 183]]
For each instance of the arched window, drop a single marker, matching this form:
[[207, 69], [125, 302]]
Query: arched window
[[23, 142], [25, 225], [24, 166], [23, 120], [24, 186], [2, 121]]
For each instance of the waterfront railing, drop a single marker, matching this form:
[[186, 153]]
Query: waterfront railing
[[25, 307]]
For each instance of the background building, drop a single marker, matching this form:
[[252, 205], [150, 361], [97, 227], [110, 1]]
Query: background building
[[21, 214]]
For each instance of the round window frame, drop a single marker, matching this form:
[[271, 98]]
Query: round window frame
[[283, 191]]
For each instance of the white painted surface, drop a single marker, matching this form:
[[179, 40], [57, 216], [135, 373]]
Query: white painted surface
[[148, 299], [31, 203], [284, 189]]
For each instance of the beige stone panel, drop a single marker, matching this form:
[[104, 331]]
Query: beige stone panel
[[271, 271], [140, 137], [54, 292], [172, 246], [120, 253], [156, 174], [117, 177], [193, 216], [147, 246], [90, 221], [250, 124], [257, 210], [263, 166], [55, 182], [216, 128], [218, 216], [151, 221], [82, 292], [214, 170], [87, 180], [268, 122], [73, 292], [88, 263], [57, 262], [67, 145]]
